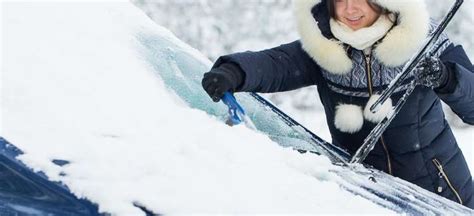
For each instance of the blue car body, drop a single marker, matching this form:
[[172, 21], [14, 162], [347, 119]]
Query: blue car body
[[24, 192]]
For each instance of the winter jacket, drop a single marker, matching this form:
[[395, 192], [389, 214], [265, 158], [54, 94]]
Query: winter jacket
[[418, 145]]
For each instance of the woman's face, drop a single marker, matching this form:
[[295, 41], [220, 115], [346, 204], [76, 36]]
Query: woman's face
[[356, 14]]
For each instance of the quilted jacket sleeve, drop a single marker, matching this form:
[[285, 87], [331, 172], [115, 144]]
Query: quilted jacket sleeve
[[461, 96], [283, 68]]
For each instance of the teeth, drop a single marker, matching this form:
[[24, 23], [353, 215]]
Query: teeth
[[354, 19]]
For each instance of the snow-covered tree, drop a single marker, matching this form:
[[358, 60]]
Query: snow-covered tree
[[217, 27]]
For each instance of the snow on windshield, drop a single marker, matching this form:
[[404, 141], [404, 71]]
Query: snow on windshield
[[77, 86]]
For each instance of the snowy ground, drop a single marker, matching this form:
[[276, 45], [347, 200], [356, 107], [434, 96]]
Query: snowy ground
[[75, 88]]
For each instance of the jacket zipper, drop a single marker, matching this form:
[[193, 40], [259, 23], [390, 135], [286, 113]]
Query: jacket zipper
[[389, 164], [442, 174], [368, 58]]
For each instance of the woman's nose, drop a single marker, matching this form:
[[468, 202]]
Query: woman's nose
[[351, 6]]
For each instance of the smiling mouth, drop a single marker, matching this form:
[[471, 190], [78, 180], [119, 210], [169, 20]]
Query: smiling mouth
[[354, 19]]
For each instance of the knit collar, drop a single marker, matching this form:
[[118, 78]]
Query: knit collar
[[362, 38]]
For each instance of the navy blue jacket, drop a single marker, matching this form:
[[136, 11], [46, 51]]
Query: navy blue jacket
[[418, 146]]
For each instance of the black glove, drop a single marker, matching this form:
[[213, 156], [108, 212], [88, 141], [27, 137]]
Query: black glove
[[432, 73], [226, 77]]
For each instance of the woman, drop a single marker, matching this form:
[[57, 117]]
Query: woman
[[351, 50]]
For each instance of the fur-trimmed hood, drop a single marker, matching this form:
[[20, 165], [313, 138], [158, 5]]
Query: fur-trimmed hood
[[398, 46]]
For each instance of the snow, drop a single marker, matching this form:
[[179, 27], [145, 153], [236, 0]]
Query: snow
[[77, 85]]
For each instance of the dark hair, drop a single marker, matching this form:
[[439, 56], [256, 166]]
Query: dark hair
[[377, 8]]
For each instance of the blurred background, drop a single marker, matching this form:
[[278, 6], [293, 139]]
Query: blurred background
[[219, 27]]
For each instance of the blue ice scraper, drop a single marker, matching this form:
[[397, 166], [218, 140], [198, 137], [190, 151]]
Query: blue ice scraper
[[236, 112]]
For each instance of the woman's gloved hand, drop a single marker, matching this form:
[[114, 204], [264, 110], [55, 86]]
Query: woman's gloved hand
[[432, 73], [226, 77]]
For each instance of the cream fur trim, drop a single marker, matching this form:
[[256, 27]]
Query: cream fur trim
[[395, 49], [349, 118], [378, 116], [407, 37], [329, 54]]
